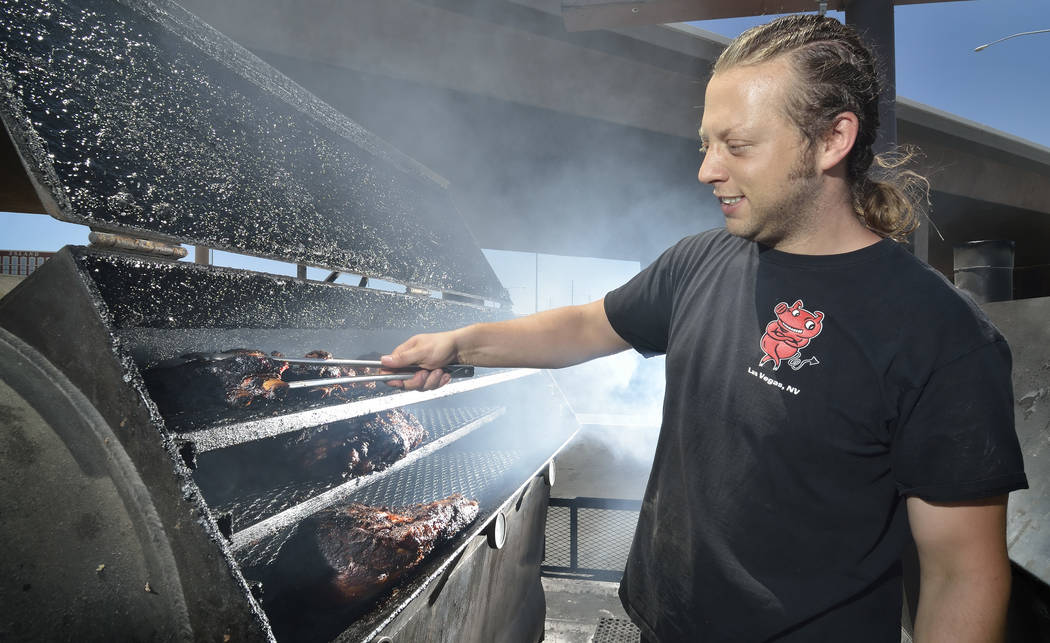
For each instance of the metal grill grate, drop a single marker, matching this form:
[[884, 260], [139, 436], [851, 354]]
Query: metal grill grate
[[616, 630], [432, 478], [221, 436], [253, 508], [440, 476], [589, 537], [443, 421]]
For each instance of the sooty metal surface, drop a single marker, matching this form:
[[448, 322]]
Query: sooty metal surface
[[161, 295], [136, 116]]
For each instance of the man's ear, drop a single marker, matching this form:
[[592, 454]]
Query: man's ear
[[838, 141]]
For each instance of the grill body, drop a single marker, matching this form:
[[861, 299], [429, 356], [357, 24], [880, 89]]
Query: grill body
[[133, 117], [194, 535]]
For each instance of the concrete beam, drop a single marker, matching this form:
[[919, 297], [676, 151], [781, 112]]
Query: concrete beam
[[971, 160], [583, 15], [532, 63]]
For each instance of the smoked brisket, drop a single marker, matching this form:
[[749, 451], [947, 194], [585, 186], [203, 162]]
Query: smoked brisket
[[359, 446], [349, 554], [241, 378], [195, 380]]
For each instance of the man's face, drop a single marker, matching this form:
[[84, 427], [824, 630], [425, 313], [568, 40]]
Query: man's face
[[759, 163]]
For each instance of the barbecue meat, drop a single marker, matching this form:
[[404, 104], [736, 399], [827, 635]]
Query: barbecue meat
[[297, 372], [351, 553], [267, 387], [195, 380], [382, 439], [357, 447], [241, 377]]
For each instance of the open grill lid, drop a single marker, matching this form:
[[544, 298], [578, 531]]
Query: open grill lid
[[136, 117]]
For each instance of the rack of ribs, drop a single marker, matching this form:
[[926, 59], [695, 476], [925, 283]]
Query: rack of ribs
[[351, 553]]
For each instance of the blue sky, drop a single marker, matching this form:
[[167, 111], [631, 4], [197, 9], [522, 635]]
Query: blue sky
[[1004, 87]]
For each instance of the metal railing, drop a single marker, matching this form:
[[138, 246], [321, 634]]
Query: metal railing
[[589, 538]]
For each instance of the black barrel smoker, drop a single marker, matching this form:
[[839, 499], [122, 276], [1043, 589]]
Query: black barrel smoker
[[123, 523]]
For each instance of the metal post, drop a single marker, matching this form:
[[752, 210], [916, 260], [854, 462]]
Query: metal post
[[574, 525], [874, 20], [537, 291]]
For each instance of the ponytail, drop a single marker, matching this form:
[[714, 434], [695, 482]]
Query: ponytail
[[890, 199]]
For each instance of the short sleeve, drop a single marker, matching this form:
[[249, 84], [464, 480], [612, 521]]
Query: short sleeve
[[640, 310], [956, 439]]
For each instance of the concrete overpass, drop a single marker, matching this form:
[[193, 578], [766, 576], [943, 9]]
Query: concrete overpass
[[584, 142]]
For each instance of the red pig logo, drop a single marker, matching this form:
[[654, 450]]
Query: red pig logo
[[789, 333]]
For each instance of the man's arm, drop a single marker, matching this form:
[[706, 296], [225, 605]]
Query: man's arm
[[964, 570], [549, 339]]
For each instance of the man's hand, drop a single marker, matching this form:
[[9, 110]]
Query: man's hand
[[548, 339], [429, 352], [964, 571]]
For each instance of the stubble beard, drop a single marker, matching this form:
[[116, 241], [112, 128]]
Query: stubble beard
[[789, 216]]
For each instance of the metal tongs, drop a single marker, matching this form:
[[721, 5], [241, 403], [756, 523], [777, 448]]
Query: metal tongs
[[453, 370]]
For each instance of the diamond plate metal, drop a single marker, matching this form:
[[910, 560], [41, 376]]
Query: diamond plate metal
[[616, 630]]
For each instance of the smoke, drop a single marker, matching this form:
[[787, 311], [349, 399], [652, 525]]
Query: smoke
[[580, 144], [618, 400]]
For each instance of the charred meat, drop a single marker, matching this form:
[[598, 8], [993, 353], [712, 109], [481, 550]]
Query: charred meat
[[383, 439], [297, 372], [357, 447], [257, 387], [241, 377], [198, 380], [353, 552]]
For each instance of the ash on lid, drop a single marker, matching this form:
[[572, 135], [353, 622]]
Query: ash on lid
[[165, 295], [138, 116]]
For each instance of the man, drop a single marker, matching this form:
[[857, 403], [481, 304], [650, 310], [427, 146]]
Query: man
[[827, 393]]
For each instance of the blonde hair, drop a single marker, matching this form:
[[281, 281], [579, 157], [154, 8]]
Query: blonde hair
[[837, 73]]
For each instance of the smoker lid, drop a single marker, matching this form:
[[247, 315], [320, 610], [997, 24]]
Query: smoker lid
[[135, 116]]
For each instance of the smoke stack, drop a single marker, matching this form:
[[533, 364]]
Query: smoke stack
[[985, 270]]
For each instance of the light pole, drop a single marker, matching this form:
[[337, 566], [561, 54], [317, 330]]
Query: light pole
[[1023, 33]]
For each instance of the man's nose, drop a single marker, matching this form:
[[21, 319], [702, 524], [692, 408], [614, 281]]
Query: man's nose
[[711, 171]]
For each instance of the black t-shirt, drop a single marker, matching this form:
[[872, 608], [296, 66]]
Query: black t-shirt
[[805, 397]]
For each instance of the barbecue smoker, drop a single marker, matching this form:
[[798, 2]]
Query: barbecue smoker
[[120, 522]]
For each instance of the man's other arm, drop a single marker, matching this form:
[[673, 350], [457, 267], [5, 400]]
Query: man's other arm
[[549, 339], [964, 570]]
